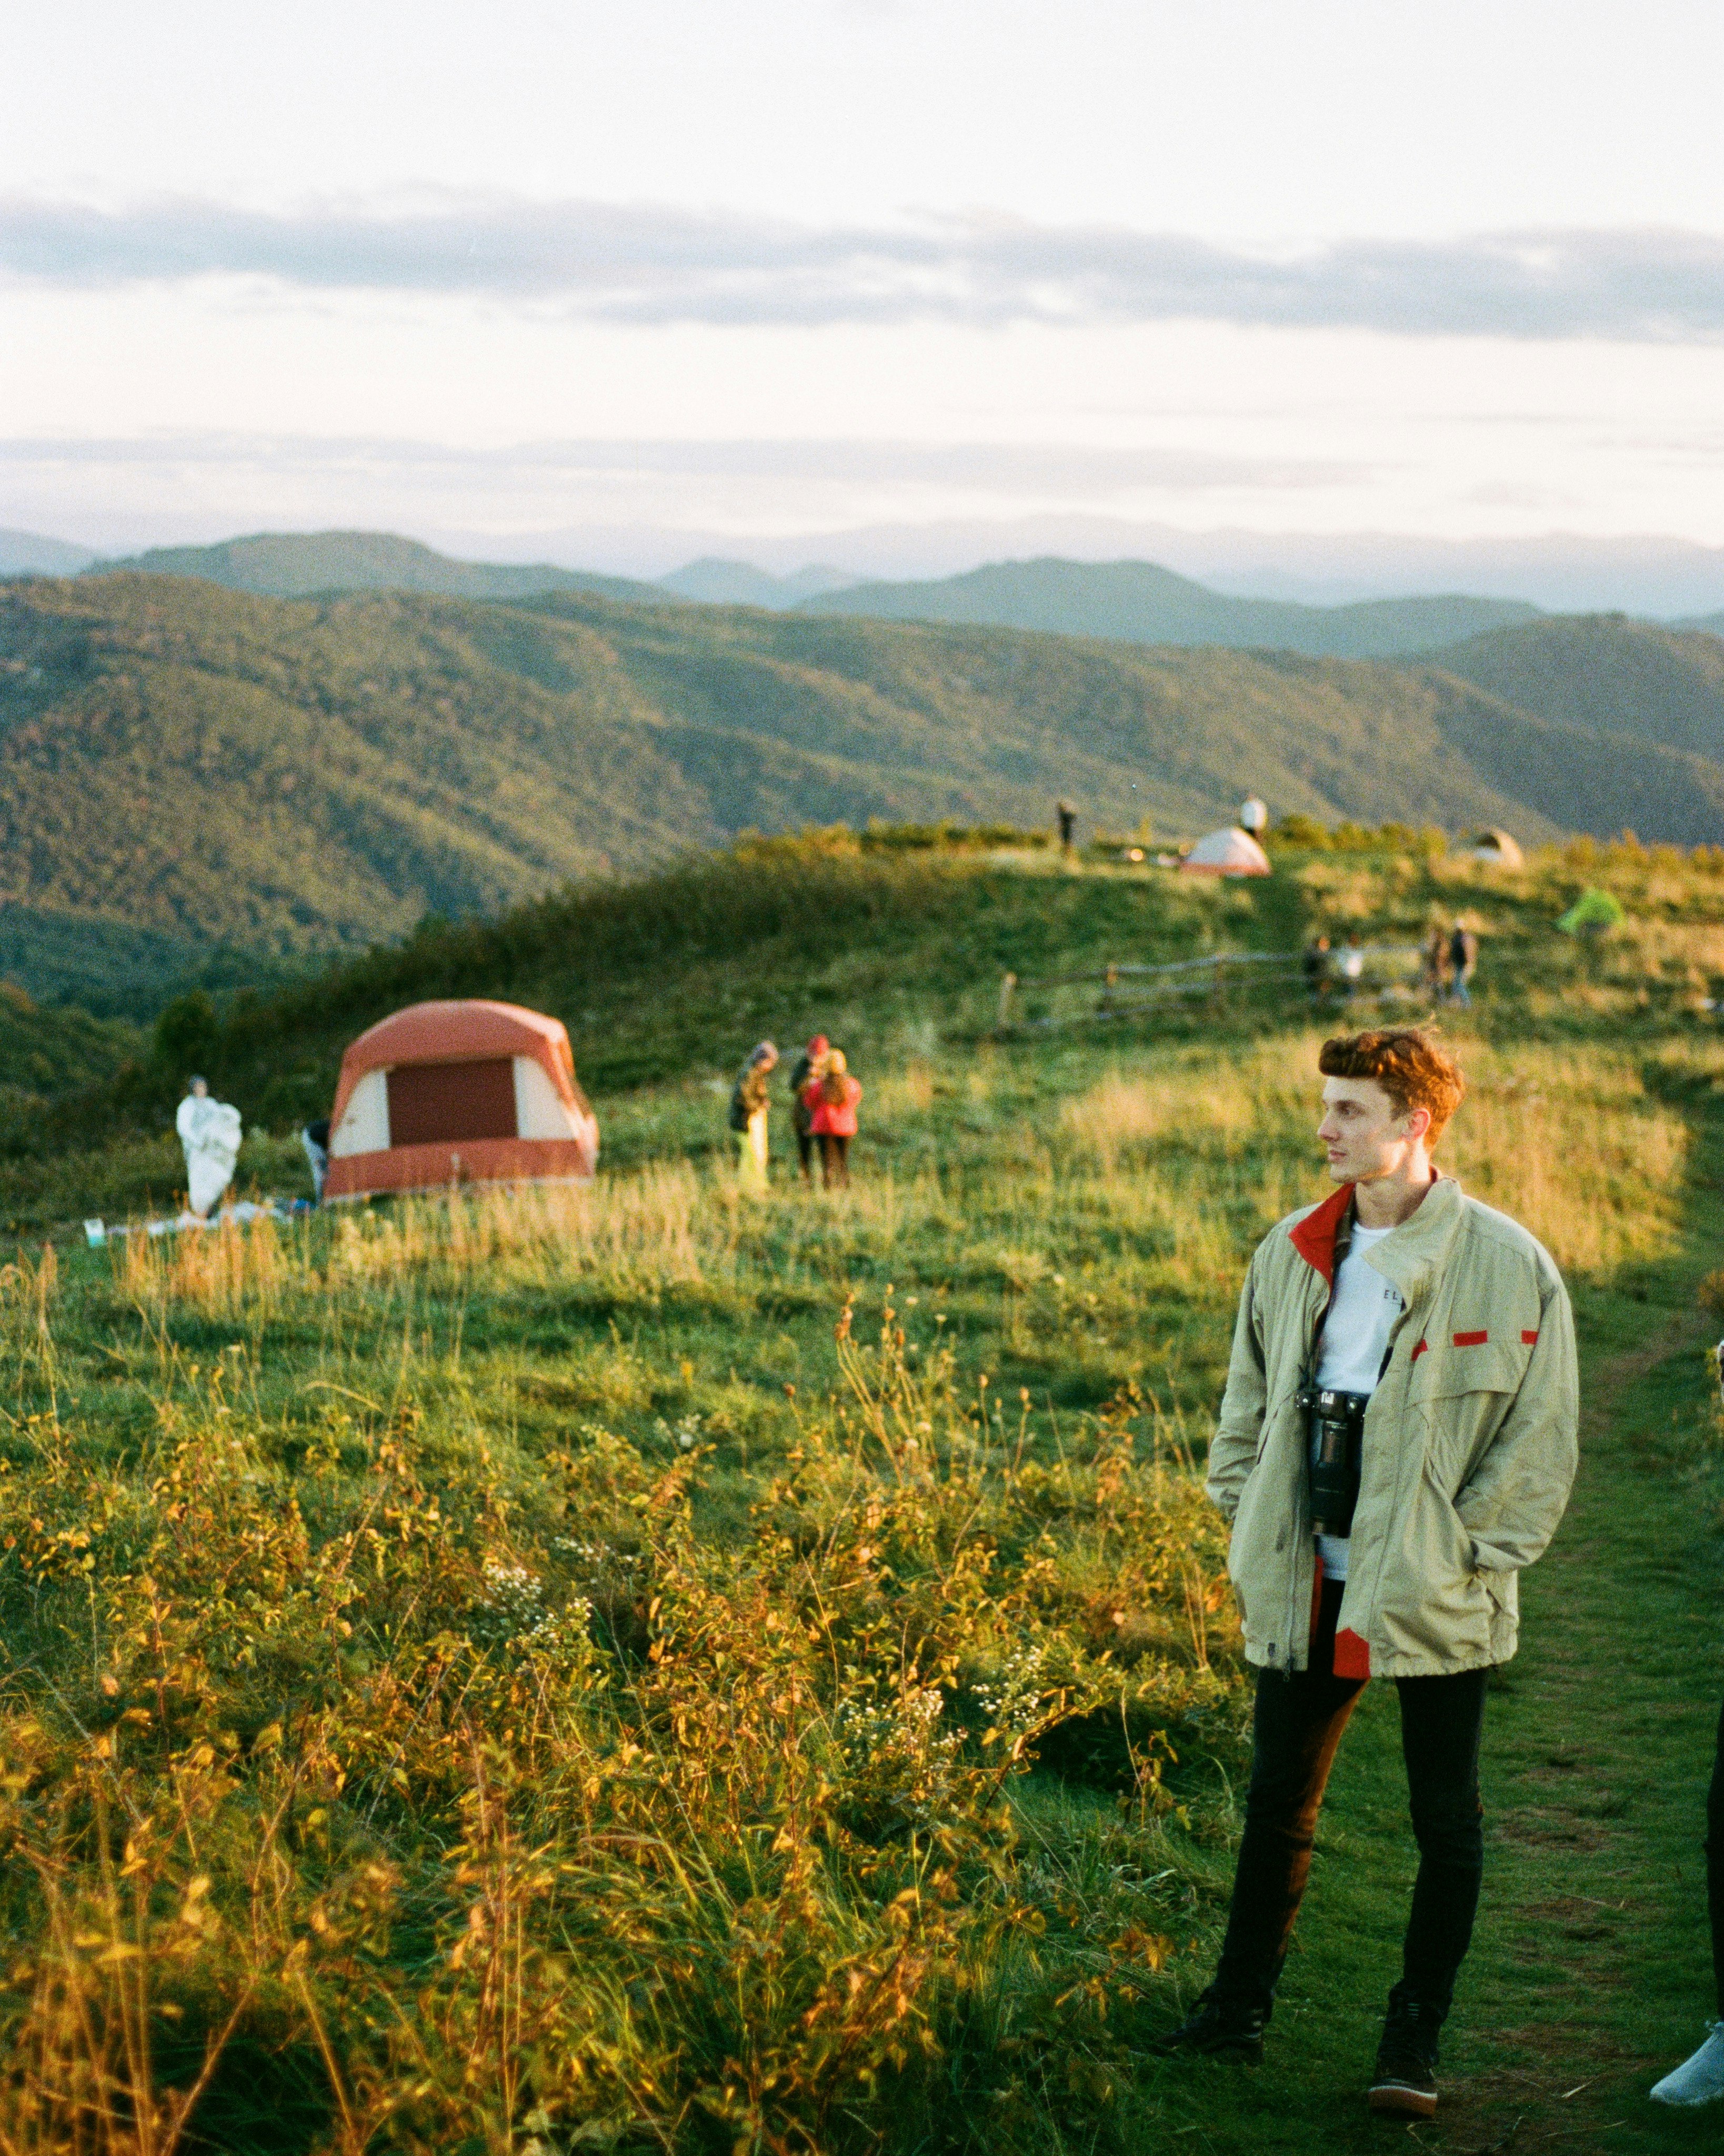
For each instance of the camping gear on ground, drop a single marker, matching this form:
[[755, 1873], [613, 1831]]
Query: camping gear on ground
[[209, 1132], [1231, 852], [459, 1093], [1335, 1423], [1592, 913]]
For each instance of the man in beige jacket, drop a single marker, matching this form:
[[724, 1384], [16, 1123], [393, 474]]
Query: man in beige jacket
[[1397, 1441]]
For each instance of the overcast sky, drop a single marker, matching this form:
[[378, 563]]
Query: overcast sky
[[587, 281]]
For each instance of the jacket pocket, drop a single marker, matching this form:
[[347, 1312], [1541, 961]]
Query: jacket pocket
[[1462, 1406], [1432, 1602]]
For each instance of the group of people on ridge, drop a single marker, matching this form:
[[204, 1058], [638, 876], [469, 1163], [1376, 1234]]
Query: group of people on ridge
[[1449, 957], [1396, 1444], [824, 1098]]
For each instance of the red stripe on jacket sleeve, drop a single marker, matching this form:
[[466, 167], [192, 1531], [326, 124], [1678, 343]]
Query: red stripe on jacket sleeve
[[1528, 1339], [1422, 1348], [1470, 1339]]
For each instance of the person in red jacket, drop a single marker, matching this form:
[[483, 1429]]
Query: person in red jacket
[[831, 1103]]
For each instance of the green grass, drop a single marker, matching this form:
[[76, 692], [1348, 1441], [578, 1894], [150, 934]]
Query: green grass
[[551, 1670]]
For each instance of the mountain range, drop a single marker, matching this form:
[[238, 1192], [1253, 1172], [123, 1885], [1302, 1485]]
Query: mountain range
[[1140, 603], [1131, 602], [187, 772], [1126, 601], [300, 564]]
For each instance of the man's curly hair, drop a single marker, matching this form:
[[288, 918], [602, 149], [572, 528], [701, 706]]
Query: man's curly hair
[[1409, 1066]]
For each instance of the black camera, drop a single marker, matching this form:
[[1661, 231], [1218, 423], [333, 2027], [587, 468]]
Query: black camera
[[1335, 1434]]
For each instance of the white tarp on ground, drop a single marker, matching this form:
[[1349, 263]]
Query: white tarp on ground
[[210, 1133]]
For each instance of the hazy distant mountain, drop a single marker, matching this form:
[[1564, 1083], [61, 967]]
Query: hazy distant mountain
[[1140, 603], [1709, 625], [298, 564], [1608, 674], [713, 581], [29, 554]]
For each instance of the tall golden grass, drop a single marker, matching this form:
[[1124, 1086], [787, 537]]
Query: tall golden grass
[[1566, 1140]]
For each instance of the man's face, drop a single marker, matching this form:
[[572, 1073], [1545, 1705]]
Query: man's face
[[198, 1089], [1365, 1135]]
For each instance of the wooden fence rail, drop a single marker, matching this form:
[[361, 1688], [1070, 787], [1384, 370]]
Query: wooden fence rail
[[1181, 976]]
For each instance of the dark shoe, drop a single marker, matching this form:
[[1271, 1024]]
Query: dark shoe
[[1215, 2026], [1405, 2082]]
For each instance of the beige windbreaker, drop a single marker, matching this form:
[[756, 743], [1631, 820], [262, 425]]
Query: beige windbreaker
[[1469, 1439]]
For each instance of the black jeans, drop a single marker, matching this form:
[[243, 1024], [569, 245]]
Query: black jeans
[[1715, 1865], [834, 1160], [1296, 1731]]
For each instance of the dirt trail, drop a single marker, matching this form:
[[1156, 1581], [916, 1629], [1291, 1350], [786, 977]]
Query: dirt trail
[[1595, 1975]]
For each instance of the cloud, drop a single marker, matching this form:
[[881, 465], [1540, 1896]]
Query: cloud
[[1070, 469], [615, 262]]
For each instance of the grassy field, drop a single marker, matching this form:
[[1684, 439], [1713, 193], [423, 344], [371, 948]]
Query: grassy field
[[645, 1668]]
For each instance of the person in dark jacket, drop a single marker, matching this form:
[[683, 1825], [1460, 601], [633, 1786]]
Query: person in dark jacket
[[1433, 969], [810, 1064], [748, 1115], [1318, 969], [1462, 962]]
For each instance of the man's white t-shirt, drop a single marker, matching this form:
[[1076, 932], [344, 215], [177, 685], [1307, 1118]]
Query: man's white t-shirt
[[1363, 1311]]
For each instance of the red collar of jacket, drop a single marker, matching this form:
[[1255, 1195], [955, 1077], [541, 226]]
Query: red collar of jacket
[[1315, 1236]]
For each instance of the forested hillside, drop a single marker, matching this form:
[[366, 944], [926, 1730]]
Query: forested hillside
[[187, 773], [1629, 678]]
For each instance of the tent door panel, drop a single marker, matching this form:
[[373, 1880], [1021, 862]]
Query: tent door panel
[[364, 1126], [441, 1103], [540, 1110]]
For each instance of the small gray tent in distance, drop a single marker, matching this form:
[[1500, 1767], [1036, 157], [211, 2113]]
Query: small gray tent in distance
[[1496, 847]]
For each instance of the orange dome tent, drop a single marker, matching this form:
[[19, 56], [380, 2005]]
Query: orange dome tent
[[459, 1093]]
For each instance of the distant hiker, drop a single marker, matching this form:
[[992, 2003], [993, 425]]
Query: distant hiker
[[1349, 964], [1396, 1444], [810, 1064], [1434, 965], [1067, 823], [748, 1115], [1316, 966], [1463, 963], [1699, 2078], [315, 1138], [832, 1117], [209, 1131]]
